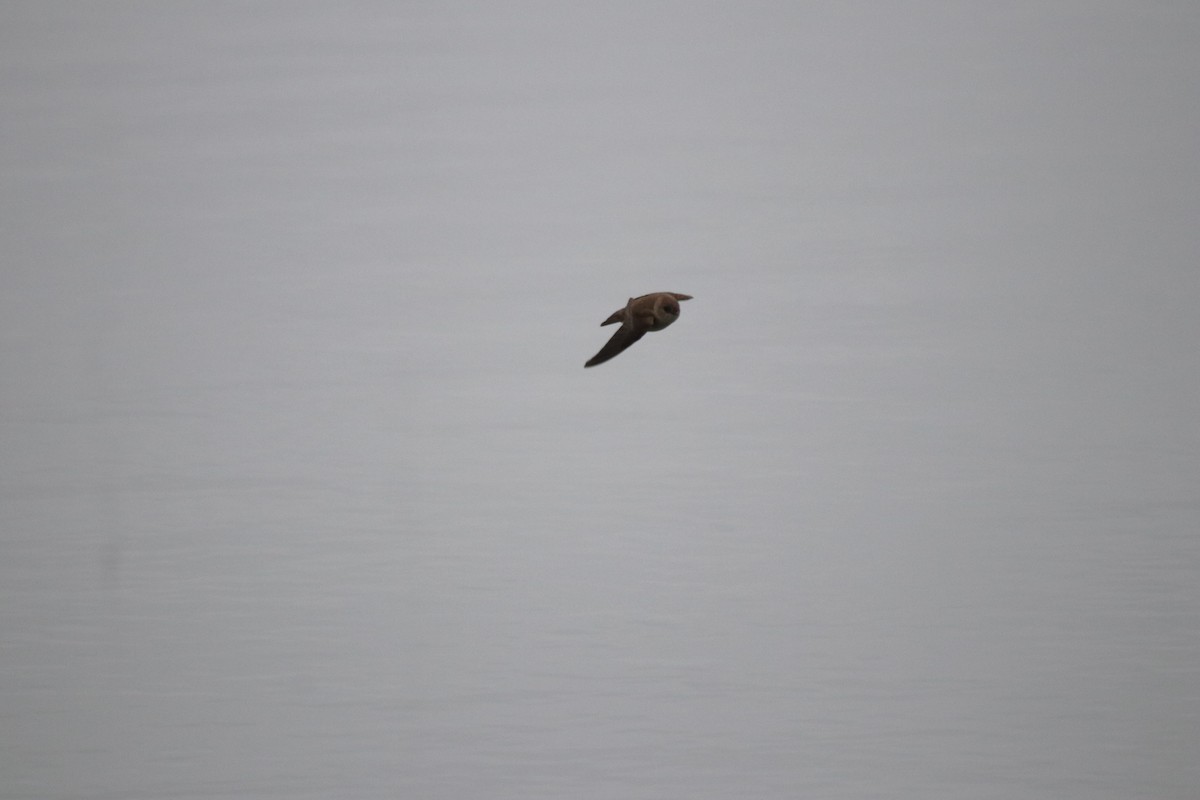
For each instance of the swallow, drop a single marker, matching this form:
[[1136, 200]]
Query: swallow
[[650, 312]]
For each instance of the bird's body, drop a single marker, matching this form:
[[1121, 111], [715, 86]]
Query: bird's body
[[650, 312]]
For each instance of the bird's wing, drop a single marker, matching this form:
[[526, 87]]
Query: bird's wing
[[617, 316], [624, 337]]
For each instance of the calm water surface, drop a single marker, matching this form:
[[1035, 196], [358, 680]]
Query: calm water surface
[[304, 491]]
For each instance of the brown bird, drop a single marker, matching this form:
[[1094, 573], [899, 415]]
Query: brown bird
[[650, 312]]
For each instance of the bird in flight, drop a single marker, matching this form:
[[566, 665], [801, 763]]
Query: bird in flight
[[650, 312]]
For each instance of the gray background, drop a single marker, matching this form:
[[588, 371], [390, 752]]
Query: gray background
[[304, 491]]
